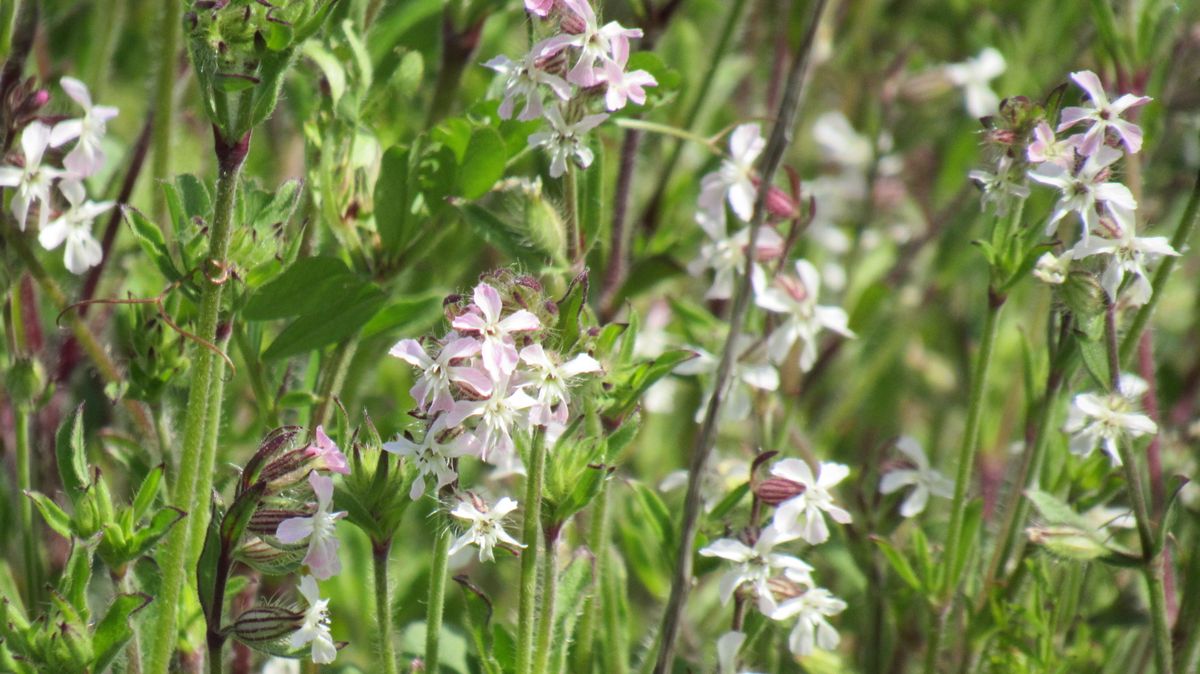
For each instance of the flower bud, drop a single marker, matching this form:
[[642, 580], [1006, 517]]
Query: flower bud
[[1068, 542], [266, 521], [776, 490], [265, 624], [266, 558], [26, 379]]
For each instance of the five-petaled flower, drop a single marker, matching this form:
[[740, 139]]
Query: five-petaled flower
[[810, 608], [315, 629], [1082, 191], [755, 564], [320, 530], [922, 477], [433, 390], [796, 298], [804, 514], [430, 456], [550, 380], [1103, 115], [566, 140], [33, 179], [86, 157], [74, 226], [485, 526], [1107, 419], [327, 454], [735, 180], [484, 318], [1127, 255], [522, 79]]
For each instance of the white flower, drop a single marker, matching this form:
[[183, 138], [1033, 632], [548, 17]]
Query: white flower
[[1127, 254], [86, 157], [1103, 115], [1046, 148], [748, 373], [755, 565], [320, 529], [1000, 188], [433, 390], [810, 608], [735, 180], [484, 319], [595, 43], [31, 180], [522, 80], [316, 624], [796, 298], [74, 226], [624, 86], [564, 140], [804, 514], [430, 456], [1107, 418], [840, 143], [726, 255], [551, 381], [491, 440], [924, 479], [1082, 191], [973, 77], [727, 651], [486, 526], [1054, 270]]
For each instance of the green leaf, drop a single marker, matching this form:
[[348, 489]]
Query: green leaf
[[574, 587], [148, 535], [1095, 359], [313, 331], [657, 515], [310, 285], [115, 630], [395, 192], [234, 524], [147, 492], [206, 568], [482, 163], [479, 617], [1055, 510], [151, 240], [280, 207], [72, 460], [410, 315], [505, 236], [75, 578], [729, 502], [331, 68], [899, 563], [570, 313], [55, 517], [972, 520]]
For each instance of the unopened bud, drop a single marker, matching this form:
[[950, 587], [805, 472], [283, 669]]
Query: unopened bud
[[776, 490], [264, 624], [1068, 542], [267, 520], [266, 558], [26, 378]]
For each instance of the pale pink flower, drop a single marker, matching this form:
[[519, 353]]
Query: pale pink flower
[[86, 157], [32, 180], [329, 457], [523, 79], [486, 526], [595, 43], [539, 7], [804, 514], [320, 530], [551, 381], [484, 318], [431, 457], [1127, 255], [796, 298], [1047, 148], [624, 86], [1081, 191], [434, 388], [566, 141], [74, 226], [725, 255], [1103, 115], [497, 415], [735, 180]]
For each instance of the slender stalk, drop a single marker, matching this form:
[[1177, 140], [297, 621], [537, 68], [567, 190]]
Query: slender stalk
[[208, 451], [21, 414], [966, 463], [615, 659], [164, 99], [598, 534], [253, 366], [437, 592], [526, 618], [549, 592], [781, 134], [133, 651], [571, 205], [1153, 571], [618, 253], [333, 376], [383, 605], [195, 476]]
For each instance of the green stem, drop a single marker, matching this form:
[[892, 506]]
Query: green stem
[[549, 591], [437, 591], [383, 606], [666, 130], [332, 378], [1160, 623], [962, 481], [526, 617], [598, 534], [133, 652], [571, 203], [195, 468], [258, 377], [164, 101], [25, 484]]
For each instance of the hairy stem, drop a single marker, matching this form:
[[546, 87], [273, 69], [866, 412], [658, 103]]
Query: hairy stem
[[526, 617], [383, 606], [598, 533], [781, 134], [549, 591], [164, 98], [195, 476], [21, 414], [571, 205], [437, 591]]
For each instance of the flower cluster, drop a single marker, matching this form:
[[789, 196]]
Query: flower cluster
[[490, 378], [33, 179], [582, 58], [780, 583]]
